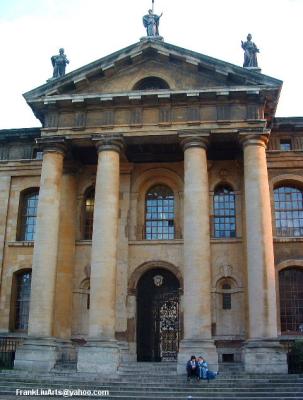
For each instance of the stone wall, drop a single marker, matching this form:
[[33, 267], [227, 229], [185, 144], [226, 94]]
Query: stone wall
[[135, 255]]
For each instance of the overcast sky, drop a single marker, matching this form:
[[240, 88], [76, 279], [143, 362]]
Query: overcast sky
[[31, 31]]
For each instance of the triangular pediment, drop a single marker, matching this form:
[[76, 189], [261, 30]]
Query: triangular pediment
[[182, 69]]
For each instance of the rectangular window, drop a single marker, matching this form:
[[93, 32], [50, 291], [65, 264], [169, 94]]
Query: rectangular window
[[160, 213], [285, 145], [226, 304], [37, 154], [227, 358]]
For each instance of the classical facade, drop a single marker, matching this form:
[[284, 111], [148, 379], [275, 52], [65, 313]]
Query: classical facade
[[157, 213]]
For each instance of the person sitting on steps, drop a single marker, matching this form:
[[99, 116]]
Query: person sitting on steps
[[203, 371], [191, 368]]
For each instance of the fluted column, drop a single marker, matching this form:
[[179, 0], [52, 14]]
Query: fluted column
[[197, 264], [259, 239], [263, 352], [104, 241], [197, 270], [46, 244]]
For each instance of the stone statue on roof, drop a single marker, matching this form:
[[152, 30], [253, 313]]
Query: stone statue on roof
[[250, 53], [151, 23], [59, 63]]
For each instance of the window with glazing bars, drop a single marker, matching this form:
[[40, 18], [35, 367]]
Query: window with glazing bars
[[89, 203], [23, 291], [288, 211], [224, 219], [285, 145], [160, 214], [226, 300], [291, 300], [29, 204]]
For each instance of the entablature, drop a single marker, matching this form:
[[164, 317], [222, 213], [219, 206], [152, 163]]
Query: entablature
[[147, 95], [157, 110], [223, 142]]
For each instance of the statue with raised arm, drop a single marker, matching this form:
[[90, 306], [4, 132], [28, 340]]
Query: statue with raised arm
[[151, 23], [59, 63], [250, 53]]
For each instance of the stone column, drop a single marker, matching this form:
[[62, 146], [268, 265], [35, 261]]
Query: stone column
[[40, 352], [262, 353], [101, 354], [197, 264], [122, 265], [66, 264], [66, 255]]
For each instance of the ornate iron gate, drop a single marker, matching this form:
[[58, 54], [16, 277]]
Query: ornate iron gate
[[166, 333], [8, 346]]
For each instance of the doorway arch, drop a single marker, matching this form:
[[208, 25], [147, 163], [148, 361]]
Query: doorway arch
[[158, 318]]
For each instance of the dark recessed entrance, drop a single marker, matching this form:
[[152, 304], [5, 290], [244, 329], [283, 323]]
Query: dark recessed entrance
[[158, 316]]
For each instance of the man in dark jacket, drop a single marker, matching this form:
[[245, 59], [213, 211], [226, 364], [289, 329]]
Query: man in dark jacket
[[191, 368]]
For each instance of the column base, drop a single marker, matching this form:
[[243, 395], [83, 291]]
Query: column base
[[36, 354], [125, 354], [265, 356], [99, 357], [205, 348], [66, 351]]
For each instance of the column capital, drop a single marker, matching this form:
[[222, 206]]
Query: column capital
[[108, 142], [254, 139], [189, 141], [52, 144]]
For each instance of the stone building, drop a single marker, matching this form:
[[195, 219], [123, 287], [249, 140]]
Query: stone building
[[169, 220]]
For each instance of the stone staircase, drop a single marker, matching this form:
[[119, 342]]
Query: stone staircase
[[159, 381]]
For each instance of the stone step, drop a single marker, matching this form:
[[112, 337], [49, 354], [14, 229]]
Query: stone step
[[194, 388], [218, 390], [176, 379], [173, 390], [138, 382], [185, 392], [10, 396], [237, 367], [184, 389], [136, 385], [219, 378], [147, 382], [192, 385], [79, 374]]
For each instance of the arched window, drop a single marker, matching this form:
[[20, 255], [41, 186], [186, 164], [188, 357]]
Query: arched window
[[151, 83], [22, 291], [291, 300], [160, 213], [28, 214], [226, 297], [224, 220], [89, 202], [289, 211]]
